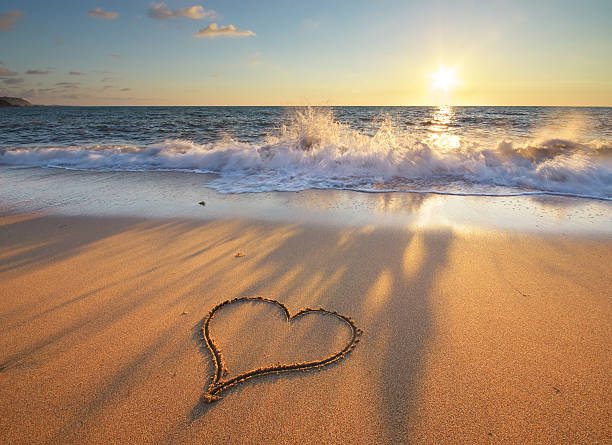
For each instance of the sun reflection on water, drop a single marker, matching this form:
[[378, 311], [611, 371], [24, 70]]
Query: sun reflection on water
[[441, 119], [440, 127]]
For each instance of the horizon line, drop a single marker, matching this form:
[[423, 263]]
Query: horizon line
[[314, 105]]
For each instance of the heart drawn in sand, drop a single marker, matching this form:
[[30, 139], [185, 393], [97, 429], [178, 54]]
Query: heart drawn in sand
[[219, 385]]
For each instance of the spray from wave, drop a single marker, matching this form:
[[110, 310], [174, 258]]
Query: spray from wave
[[316, 151]]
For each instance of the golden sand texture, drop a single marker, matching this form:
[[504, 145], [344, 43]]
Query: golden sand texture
[[469, 337]]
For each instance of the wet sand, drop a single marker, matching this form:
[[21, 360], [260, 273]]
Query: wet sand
[[469, 336]]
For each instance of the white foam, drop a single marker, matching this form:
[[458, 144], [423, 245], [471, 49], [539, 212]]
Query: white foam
[[316, 151]]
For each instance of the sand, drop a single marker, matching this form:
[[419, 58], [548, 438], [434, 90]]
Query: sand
[[483, 336]]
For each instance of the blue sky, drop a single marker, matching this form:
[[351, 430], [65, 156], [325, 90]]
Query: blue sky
[[316, 52]]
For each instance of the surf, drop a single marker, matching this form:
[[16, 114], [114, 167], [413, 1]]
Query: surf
[[313, 149]]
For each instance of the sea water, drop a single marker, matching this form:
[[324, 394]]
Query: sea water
[[489, 151]]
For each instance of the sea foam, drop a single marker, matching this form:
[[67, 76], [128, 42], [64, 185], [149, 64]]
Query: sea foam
[[314, 150]]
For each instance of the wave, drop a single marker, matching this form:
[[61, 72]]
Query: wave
[[316, 151]]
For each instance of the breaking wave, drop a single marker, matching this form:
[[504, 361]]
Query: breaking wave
[[314, 150]]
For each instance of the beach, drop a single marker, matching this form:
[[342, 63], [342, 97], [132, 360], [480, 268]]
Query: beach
[[313, 223], [476, 333]]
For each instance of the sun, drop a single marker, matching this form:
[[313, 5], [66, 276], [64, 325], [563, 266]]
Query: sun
[[443, 79]]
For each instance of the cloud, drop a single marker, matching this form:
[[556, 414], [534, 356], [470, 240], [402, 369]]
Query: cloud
[[19, 93], [76, 73], [68, 85], [98, 13], [6, 73], [116, 56], [8, 19], [13, 81], [38, 72], [161, 12], [255, 61], [125, 89], [213, 30], [216, 76], [29, 93]]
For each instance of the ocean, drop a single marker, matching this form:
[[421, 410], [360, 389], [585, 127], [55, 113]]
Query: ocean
[[489, 151]]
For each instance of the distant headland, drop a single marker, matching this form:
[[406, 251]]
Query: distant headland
[[13, 102]]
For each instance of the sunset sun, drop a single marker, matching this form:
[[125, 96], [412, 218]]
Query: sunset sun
[[444, 79]]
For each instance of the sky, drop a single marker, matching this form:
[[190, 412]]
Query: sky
[[230, 52]]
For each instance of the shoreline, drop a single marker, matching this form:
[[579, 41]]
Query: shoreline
[[177, 194]]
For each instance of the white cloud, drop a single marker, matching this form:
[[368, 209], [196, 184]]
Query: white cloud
[[98, 13], [38, 72], [213, 30], [8, 19], [160, 11], [6, 73]]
